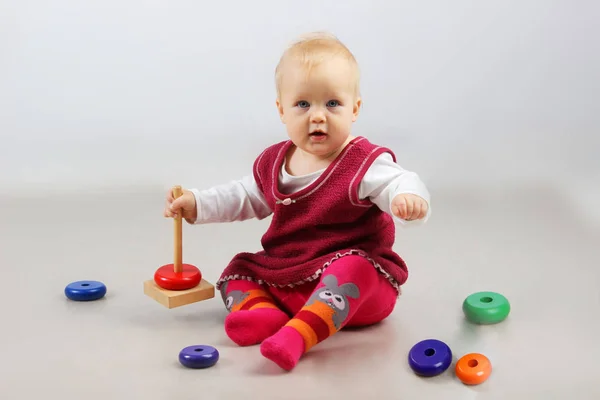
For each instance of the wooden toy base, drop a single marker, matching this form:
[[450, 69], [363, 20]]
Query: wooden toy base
[[177, 298]]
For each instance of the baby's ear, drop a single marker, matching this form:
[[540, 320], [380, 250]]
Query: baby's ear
[[356, 109], [350, 290], [280, 110]]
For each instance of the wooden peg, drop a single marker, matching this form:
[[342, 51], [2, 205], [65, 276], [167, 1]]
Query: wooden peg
[[177, 192]]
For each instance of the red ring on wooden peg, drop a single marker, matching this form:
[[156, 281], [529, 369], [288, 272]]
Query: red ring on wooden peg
[[166, 277]]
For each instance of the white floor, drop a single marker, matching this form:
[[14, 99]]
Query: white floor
[[526, 242]]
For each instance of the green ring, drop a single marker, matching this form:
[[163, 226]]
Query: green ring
[[486, 308]]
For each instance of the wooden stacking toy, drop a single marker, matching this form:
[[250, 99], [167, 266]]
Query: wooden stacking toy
[[178, 284]]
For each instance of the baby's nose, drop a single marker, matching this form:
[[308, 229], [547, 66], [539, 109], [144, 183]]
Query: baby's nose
[[318, 116]]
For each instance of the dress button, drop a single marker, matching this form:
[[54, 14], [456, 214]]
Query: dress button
[[287, 201]]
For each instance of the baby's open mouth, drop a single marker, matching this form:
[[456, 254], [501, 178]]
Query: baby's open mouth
[[318, 134]]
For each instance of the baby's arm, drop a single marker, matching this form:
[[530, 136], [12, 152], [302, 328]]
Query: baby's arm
[[385, 180], [238, 200]]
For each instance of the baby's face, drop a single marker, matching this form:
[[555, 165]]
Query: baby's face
[[319, 108]]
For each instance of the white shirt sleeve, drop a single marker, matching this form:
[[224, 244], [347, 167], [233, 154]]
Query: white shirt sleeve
[[238, 200], [385, 179]]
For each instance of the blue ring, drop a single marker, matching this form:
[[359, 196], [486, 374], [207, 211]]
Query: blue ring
[[85, 290]]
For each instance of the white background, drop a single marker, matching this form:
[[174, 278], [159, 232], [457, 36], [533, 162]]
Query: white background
[[103, 93]]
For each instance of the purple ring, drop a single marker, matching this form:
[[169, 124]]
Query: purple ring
[[430, 357], [198, 356]]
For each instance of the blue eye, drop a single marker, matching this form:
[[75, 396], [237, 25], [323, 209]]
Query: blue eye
[[333, 103], [303, 104]]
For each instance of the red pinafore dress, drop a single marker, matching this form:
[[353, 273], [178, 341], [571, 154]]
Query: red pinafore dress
[[319, 224]]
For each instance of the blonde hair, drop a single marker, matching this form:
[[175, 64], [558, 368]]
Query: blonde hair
[[313, 48]]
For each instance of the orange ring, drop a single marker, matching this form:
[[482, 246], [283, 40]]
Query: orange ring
[[473, 369]]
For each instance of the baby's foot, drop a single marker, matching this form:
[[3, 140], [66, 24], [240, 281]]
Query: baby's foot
[[284, 348], [249, 327]]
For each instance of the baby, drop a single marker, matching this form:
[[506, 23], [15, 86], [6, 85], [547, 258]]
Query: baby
[[327, 260]]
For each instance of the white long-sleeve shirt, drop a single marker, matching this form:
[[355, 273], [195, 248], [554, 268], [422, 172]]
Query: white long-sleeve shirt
[[240, 200]]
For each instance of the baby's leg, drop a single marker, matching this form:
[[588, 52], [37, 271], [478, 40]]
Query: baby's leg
[[350, 290], [253, 316]]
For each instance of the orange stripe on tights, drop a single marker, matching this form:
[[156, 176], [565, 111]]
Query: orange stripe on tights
[[325, 312], [263, 305], [305, 330]]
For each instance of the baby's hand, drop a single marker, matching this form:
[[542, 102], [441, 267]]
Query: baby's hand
[[409, 207], [184, 206]]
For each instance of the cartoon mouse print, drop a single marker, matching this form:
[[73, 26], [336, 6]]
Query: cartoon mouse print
[[232, 298], [335, 297]]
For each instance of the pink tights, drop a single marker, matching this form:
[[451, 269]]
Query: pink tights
[[289, 321]]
